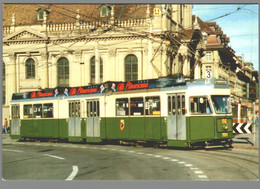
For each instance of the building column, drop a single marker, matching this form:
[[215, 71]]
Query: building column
[[110, 69], [97, 64], [11, 77], [150, 44], [197, 70], [44, 75], [150, 56], [186, 66]]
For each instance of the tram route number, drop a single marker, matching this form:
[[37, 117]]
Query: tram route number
[[208, 74]]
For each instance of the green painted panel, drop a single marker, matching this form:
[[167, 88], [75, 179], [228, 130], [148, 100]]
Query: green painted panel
[[94, 139], [44, 128], [15, 136], [201, 129], [113, 130], [153, 128], [164, 129], [103, 128], [75, 139], [225, 135], [83, 128], [137, 128], [221, 122], [63, 128], [26, 129], [177, 143]]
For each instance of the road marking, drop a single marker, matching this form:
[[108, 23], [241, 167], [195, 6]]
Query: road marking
[[166, 158], [140, 153], [181, 162], [7, 150], [131, 151], [188, 165], [53, 156], [174, 160], [194, 168], [202, 176], [74, 173], [198, 172], [158, 156]]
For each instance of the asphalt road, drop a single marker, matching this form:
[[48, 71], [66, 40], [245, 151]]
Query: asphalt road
[[63, 161]]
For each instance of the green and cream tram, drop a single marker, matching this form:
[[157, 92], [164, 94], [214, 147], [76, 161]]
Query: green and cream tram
[[163, 111]]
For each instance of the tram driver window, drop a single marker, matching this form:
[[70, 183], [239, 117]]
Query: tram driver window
[[200, 105], [27, 111], [152, 106], [136, 106], [122, 107]]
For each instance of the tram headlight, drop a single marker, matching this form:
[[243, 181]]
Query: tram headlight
[[225, 127]]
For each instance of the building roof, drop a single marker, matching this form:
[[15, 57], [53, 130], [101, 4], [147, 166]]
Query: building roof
[[203, 25], [26, 14]]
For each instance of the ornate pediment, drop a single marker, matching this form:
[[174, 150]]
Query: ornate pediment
[[24, 35]]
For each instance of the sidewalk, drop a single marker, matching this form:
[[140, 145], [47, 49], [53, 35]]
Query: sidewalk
[[246, 141], [241, 141]]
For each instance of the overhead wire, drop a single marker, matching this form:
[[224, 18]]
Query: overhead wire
[[141, 33]]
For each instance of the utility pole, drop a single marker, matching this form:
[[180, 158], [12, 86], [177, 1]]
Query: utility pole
[[254, 124]]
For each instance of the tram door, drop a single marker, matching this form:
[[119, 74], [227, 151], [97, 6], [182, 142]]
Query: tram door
[[93, 126], [176, 124], [74, 119], [15, 123]]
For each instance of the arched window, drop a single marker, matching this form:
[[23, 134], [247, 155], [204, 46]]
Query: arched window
[[40, 14], [4, 98], [92, 69], [30, 68], [131, 68], [63, 72], [104, 11]]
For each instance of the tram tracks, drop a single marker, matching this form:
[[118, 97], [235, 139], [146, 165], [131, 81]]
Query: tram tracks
[[247, 162]]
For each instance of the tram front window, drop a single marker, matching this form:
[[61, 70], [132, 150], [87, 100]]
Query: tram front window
[[221, 104]]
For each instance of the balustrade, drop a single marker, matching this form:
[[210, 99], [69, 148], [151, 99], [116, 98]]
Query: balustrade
[[87, 25]]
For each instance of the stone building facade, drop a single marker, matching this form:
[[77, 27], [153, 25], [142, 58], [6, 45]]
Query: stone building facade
[[46, 46]]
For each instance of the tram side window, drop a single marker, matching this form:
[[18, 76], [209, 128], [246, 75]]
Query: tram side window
[[37, 111], [200, 105], [27, 111], [183, 104], [47, 110], [152, 106], [171, 105], [122, 107], [15, 112], [179, 105], [137, 106]]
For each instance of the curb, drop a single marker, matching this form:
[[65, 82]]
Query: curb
[[237, 146], [245, 147]]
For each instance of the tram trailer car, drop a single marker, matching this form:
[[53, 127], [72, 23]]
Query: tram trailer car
[[164, 111]]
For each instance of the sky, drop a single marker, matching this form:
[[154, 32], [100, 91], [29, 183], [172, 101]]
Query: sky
[[240, 22]]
